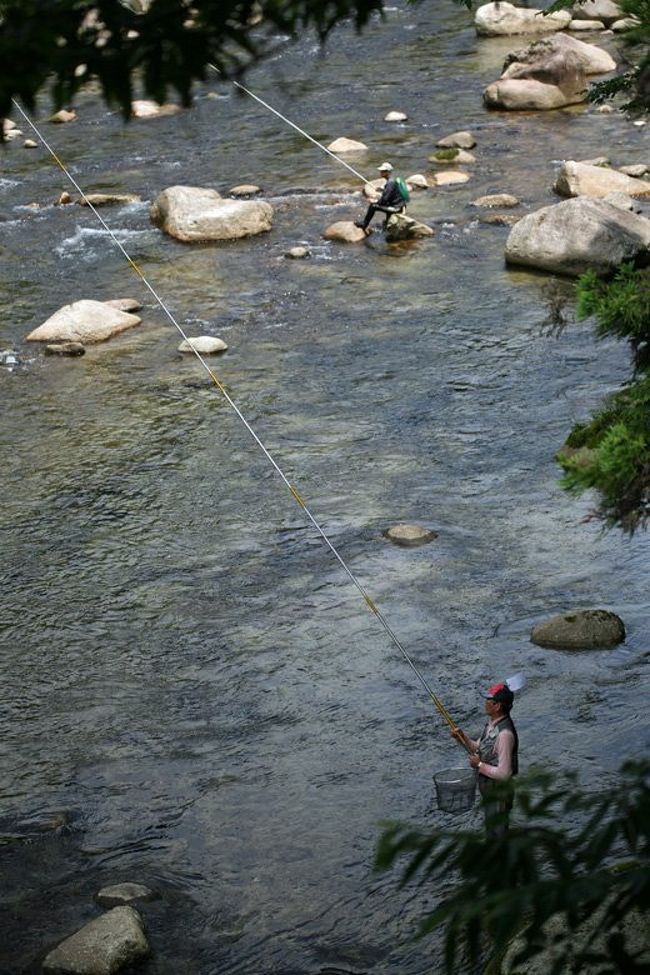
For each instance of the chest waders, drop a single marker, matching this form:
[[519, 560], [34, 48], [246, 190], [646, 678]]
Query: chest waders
[[487, 751]]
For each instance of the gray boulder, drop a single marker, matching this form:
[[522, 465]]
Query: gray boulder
[[409, 536], [457, 140], [84, 321], [578, 235], [581, 179], [400, 227], [495, 19], [586, 629], [604, 10], [191, 213], [101, 947], [593, 59]]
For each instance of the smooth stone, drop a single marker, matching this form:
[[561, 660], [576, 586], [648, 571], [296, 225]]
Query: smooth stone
[[579, 25], [65, 348], [8, 124], [296, 253], [245, 189], [145, 108], [623, 201], [638, 171], [500, 18], [604, 10], [125, 893], [63, 116], [101, 947], [194, 214], [450, 178], [396, 117], [106, 199], [205, 344], [409, 536], [605, 109], [579, 179], [624, 24], [457, 140], [400, 227], [445, 157], [346, 145], [124, 304], [417, 182], [587, 629], [84, 321], [576, 236], [529, 95], [496, 200], [64, 198], [596, 161], [30, 144], [345, 232]]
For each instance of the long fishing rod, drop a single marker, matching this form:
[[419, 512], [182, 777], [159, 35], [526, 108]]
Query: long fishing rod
[[222, 389], [293, 125]]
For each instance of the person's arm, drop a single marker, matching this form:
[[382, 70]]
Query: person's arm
[[504, 749]]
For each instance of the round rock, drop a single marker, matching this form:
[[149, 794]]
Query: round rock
[[457, 140], [245, 189], [586, 629], [496, 200], [125, 893], [347, 145], [451, 178], [296, 253], [409, 536], [417, 182], [112, 941], [396, 117], [205, 344]]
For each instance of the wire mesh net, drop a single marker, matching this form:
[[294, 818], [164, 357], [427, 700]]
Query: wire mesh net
[[455, 789]]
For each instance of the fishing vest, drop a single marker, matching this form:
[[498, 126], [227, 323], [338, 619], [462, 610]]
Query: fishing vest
[[487, 743]]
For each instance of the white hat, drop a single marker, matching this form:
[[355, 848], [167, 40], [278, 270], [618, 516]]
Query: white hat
[[385, 167]]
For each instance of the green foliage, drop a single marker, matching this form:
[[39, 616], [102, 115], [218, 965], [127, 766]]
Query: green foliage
[[615, 460], [510, 886], [621, 306]]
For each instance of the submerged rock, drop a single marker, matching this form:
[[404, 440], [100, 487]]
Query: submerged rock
[[409, 536], [191, 214], [84, 321], [125, 893], [448, 156], [496, 200], [578, 235], [106, 199], [586, 629], [296, 253], [400, 227], [101, 947], [65, 349]]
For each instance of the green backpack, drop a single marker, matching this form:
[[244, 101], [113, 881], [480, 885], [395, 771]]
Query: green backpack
[[403, 188]]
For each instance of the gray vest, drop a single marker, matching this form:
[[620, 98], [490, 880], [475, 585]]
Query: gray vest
[[487, 743]]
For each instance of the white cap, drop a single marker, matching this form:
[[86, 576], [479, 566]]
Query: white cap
[[385, 168]]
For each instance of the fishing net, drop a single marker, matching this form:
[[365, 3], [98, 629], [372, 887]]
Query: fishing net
[[455, 789]]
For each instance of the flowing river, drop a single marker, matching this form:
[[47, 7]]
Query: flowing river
[[191, 685]]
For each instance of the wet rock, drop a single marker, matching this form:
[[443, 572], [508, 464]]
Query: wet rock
[[457, 140], [30, 144], [579, 25], [578, 235], [400, 227], [605, 109], [63, 116], [396, 117], [64, 198], [499, 219], [65, 349], [450, 178], [417, 182], [9, 358], [101, 947], [46, 822], [409, 536], [124, 304], [145, 108], [84, 321], [205, 344], [452, 156], [344, 145], [245, 189], [107, 199], [12, 134], [579, 179], [191, 213], [496, 200], [345, 232], [125, 893], [8, 125], [638, 171], [606, 11], [586, 629], [296, 253], [496, 19]]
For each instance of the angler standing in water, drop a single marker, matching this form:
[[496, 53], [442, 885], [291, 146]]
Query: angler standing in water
[[495, 756], [393, 199]]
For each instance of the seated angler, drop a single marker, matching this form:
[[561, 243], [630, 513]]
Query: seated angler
[[391, 200]]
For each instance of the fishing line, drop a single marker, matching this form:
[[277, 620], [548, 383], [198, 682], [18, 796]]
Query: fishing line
[[293, 125], [220, 386]]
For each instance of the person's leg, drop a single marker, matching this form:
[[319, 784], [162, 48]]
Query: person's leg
[[370, 212]]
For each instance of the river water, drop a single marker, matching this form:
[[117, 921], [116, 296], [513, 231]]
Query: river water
[[190, 682]]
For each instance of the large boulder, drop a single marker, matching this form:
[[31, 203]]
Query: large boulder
[[101, 947], [400, 227], [578, 235], [581, 179], [494, 19], [593, 59], [586, 629], [84, 321], [344, 231], [191, 213], [604, 10], [543, 76], [525, 95]]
